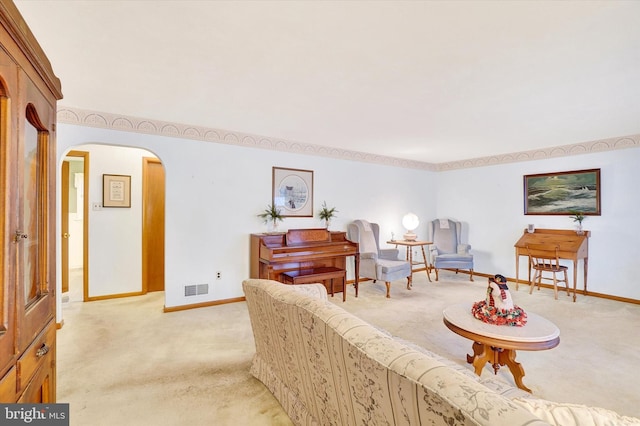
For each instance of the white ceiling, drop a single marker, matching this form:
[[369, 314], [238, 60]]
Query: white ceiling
[[431, 81]]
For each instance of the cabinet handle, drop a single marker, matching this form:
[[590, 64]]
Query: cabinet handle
[[20, 236], [42, 351]]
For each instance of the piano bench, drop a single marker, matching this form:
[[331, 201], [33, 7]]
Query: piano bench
[[315, 275]]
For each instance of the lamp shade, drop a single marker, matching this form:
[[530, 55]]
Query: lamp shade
[[410, 222]]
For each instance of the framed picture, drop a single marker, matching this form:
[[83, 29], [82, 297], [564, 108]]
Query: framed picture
[[116, 191], [563, 193], [293, 192]]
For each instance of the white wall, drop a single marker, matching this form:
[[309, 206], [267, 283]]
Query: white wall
[[213, 195], [214, 192], [490, 202]]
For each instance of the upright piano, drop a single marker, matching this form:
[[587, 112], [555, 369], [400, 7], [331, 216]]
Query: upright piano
[[573, 246], [301, 249]]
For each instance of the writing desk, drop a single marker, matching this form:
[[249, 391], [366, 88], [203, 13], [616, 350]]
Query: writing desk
[[572, 247]]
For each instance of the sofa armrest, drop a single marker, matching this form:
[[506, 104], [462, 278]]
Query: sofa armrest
[[318, 291], [565, 414]]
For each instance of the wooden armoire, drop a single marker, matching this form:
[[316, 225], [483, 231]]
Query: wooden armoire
[[28, 94]]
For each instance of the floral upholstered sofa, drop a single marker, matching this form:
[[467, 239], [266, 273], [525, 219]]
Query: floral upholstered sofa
[[327, 367]]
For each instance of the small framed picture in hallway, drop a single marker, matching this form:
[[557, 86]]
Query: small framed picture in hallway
[[116, 190]]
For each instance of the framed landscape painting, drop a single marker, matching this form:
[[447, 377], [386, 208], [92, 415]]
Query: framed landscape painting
[[562, 193]]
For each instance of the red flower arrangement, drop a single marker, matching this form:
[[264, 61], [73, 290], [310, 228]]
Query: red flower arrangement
[[491, 315]]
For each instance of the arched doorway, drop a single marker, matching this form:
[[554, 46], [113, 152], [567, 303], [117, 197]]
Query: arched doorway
[[119, 245]]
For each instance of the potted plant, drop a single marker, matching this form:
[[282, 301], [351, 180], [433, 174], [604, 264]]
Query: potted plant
[[327, 214], [271, 216], [578, 217]]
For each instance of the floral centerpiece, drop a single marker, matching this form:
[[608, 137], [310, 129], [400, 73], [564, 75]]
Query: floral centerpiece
[[498, 307]]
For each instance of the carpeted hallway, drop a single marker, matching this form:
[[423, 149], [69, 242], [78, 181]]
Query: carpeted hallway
[[124, 361]]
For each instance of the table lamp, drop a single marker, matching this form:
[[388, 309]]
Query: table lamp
[[410, 221]]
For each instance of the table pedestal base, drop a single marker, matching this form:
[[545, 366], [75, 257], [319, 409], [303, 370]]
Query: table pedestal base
[[497, 357]]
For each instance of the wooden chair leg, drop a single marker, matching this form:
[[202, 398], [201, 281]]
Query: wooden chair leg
[[409, 282], [532, 283], [388, 289], [539, 280], [566, 282], [471, 275], [436, 273], [555, 287]]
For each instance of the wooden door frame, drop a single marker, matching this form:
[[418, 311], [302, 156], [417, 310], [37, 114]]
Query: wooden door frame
[[145, 200], [64, 225], [85, 223]]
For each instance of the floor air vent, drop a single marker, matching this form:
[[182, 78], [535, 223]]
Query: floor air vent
[[196, 289]]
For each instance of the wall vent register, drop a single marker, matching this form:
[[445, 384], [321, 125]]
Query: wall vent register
[[196, 289]]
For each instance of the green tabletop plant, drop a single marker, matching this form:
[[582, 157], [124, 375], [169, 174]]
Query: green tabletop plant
[[327, 213], [271, 216], [578, 217]]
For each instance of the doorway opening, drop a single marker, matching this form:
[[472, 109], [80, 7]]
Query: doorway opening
[[74, 225], [111, 252]]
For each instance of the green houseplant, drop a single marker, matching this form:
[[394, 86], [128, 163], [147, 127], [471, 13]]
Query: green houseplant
[[578, 217], [271, 216], [327, 214]]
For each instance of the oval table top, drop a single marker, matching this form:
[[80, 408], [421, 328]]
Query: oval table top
[[537, 333]]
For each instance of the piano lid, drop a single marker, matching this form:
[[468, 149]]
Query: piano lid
[[307, 236]]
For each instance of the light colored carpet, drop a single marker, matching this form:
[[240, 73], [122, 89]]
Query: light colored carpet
[[124, 361], [596, 362]]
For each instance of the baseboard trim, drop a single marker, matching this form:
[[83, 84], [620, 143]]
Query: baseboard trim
[[525, 282], [204, 304], [578, 291], [114, 296]]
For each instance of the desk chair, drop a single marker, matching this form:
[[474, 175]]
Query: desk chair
[[544, 258]]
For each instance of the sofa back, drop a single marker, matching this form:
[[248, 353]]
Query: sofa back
[[327, 367]]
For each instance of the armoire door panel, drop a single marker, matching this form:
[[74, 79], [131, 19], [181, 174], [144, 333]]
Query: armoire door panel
[[8, 185], [34, 278], [29, 91]]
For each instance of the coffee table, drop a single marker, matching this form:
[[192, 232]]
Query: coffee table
[[497, 344]]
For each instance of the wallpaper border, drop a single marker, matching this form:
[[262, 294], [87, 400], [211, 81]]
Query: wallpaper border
[[81, 117]]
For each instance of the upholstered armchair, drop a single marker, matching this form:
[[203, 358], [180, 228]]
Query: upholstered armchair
[[447, 251], [376, 263]]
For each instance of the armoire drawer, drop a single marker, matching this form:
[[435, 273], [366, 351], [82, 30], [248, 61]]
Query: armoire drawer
[[8, 386], [36, 355]]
